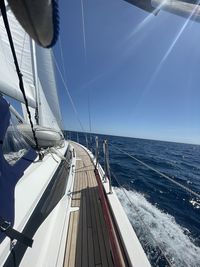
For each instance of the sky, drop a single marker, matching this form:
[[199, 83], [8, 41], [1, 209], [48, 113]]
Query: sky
[[134, 74]]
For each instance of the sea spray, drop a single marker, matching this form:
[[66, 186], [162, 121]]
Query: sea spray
[[171, 237]]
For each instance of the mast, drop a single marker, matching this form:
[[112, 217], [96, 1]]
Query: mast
[[36, 84]]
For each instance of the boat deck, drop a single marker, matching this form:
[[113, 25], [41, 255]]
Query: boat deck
[[87, 243]]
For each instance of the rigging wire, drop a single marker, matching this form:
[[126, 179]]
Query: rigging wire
[[19, 74], [62, 58], [69, 95], [64, 79], [90, 121], [158, 172], [84, 48]]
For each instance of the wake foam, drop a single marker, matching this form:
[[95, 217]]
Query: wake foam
[[171, 237]]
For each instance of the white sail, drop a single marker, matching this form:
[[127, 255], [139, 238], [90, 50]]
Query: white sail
[[48, 104], [49, 111], [38, 79], [25, 115], [9, 83]]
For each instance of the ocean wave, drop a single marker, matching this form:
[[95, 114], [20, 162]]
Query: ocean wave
[[173, 239]]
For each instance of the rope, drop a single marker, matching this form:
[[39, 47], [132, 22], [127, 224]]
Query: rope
[[145, 225], [158, 172], [19, 74]]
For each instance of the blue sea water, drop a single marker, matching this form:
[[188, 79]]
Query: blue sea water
[[164, 216]]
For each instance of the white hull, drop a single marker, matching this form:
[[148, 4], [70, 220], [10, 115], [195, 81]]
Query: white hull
[[28, 193], [50, 238]]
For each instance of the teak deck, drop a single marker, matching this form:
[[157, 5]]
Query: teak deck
[[87, 242]]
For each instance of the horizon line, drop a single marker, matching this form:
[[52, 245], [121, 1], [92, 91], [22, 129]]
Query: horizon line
[[133, 137]]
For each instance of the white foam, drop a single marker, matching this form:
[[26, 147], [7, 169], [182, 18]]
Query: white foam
[[195, 203], [170, 236]]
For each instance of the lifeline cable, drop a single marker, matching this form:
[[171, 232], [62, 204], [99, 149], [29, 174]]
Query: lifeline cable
[[158, 172], [19, 74]]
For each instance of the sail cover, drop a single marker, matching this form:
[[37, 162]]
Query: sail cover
[[9, 82], [39, 18]]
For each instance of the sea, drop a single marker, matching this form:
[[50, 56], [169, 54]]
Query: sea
[[165, 216]]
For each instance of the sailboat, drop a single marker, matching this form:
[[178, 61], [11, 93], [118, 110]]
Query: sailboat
[[57, 205]]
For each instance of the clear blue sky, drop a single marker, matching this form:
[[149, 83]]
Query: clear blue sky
[[140, 72], [140, 82]]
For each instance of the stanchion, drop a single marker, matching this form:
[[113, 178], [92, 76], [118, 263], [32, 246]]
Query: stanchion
[[97, 151], [107, 164]]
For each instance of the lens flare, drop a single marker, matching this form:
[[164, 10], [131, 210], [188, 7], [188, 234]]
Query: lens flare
[[166, 55]]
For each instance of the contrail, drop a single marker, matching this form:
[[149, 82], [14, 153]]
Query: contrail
[[83, 25]]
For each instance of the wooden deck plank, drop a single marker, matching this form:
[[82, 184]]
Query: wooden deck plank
[[89, 220], [103, 227], [79, 189], [87, 241], [97, 254], [90, 248], [99, 228], [105, 237], [84, 240]]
